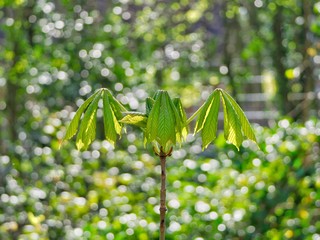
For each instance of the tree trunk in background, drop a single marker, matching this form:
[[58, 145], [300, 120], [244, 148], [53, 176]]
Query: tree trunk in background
[[159, 78], [12, 80], [229, 49], [255, 25], [12, 110], [307, 79], [279, 55]]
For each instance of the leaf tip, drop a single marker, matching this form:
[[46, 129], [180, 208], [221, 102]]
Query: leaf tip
[[79, 145], [60, 143]]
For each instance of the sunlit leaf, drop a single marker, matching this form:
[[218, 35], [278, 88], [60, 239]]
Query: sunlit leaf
[[203, 114], [245, 125], [181, 119], [153, 120], [166, 125], [210, 125], [135, 118], [163, 121], [73, 126], [112, 127], [87, 130], [236, 124], [116, 106], [232, 124]]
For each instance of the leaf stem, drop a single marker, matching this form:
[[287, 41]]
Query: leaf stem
[[194, 115]]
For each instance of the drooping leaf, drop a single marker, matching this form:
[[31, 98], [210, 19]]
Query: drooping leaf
[[166, 127], [87, 131], [236, 124], [157, 93], [178, 124], [153, 120], [245, 125], [233, 130], [149, 105], [116, 106], [73, 126], [210, 125], [135, 118], [163, 121], [181, 120], [112, 127], [178, 104], [203, 114], [226, 126]]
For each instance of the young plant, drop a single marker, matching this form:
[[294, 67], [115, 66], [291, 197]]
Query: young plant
[[164, 124]]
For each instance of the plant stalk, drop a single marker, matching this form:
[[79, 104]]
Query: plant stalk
[[194, 115], [163, 208]]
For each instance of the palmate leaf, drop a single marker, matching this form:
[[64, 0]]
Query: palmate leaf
[[163, 122], [112, 113], [236, 124], [73, 126], [87, 130]]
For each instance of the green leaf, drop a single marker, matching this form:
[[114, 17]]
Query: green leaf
[[181, 120], [112, 113], [87, 131], [203, 114], [116, 106], [232, 126], [178, 104], [226, 126], [162, 121], [149, 105], [111, 125], [73, 126], [245, 125], [135, 118], [153, 120], [166, 127], [236, 124], [157, 93], [210, 124]]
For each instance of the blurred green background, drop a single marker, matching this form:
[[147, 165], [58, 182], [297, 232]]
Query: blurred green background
[[54, 54]]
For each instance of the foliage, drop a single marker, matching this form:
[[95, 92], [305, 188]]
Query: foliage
[[112, 114], [164, 124], [236, 123]]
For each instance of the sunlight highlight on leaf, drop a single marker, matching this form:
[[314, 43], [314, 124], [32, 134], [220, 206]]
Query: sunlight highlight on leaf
[[73, 126], [87, 130], [236, 124]]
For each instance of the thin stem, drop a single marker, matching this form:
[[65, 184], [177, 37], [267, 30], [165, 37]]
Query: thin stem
[[163, 208], [195, 114]]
